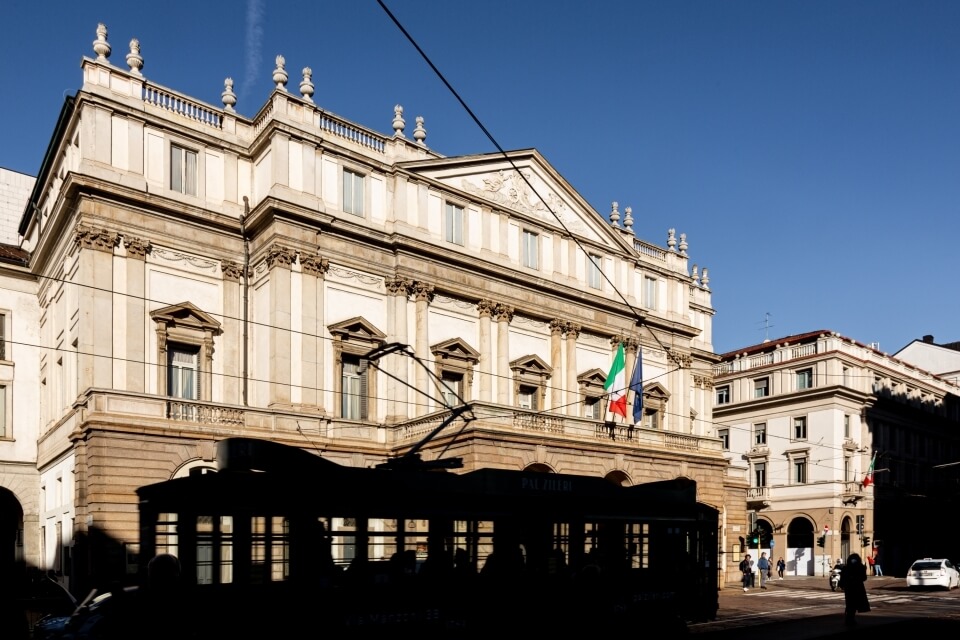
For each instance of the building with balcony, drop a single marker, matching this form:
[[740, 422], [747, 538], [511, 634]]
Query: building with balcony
[[201, 274], [804, 416]]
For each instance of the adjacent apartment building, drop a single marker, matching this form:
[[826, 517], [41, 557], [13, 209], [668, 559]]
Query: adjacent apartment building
[[806, 416], [198, 274]]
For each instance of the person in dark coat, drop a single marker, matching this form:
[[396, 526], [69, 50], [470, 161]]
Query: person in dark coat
[[852, 581]]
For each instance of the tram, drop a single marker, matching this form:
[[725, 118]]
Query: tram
[[280, 539]]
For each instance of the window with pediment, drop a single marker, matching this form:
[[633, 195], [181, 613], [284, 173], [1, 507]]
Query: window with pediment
[[530, 377], [591, 393], [355, 380], [655, 398], [454, 363], [185, 347]]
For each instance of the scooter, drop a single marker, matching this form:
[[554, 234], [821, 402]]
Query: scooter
[[835, 577]]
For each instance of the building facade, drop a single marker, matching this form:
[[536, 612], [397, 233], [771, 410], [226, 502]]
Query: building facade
[[201, 274], [804, 417]]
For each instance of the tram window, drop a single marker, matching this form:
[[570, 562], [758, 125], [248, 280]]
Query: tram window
[[214, 549], [343, 540], [382, 541], [269, 549], [166, 538]]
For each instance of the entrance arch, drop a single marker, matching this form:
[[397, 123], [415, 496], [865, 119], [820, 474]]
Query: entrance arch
[[11, 534], [845, 530], [799, 558], [538, 467]]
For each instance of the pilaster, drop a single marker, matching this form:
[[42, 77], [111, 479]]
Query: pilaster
[[504, 315], [95, 302]]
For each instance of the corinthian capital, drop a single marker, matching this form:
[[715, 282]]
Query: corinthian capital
[[485, 307], [571, 330], [137, 247], [422, 291], [557, 325], [280, 256], [231, 270], [87, 237], [503, 312], [397, 286], [314, 265]]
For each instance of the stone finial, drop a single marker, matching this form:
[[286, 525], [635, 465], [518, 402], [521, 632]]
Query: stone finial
[[306, 85], [628, 218], [705, 279], [420, 134], [228, 97], [100, 46], [683, 244], [696, 275], [280, 74], [672, 239], [614, 214], [398, 122], [134, 59]]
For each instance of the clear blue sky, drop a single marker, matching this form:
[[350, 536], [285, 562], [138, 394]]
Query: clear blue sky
[[809, 149]]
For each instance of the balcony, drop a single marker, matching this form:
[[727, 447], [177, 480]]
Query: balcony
[[146, 413]]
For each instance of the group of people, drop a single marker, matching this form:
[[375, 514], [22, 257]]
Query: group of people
[[852, 578], [764, 568]]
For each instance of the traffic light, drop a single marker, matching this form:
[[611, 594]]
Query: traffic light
[[866, 541], [821, 540], [755, 538]]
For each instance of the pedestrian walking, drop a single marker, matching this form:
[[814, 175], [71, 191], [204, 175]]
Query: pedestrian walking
[[877, 570], [781, 567], [763, 566], [852, 580], [746, 569]]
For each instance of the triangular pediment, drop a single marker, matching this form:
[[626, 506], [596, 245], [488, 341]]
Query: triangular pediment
[[455, 349], [656, 390], [526, 184], [358, 329], [593, 378], [531, 364], [186, 315]]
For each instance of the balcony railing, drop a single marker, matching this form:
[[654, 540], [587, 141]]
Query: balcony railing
[[184, 411], [170, 101], [758, 493]]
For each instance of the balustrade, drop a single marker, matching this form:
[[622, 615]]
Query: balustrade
[[185, 107]]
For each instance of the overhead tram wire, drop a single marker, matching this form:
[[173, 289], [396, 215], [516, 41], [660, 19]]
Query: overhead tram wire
[[640, 319]]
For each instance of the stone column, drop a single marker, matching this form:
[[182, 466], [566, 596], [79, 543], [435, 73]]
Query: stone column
[[571, 331], [485, 308], [398, 406], [232, 337], [94, 332], [279, 260], [133, 376], [556, 361], [422, 294], [314, 269], [504, 315]]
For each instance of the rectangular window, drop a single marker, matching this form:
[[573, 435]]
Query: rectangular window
[[800, 471], [3, 336], [723, 395], [846, 376], [847, 469], [531, 250], [183, 380], [651, 418], [452, 388], [352, 193], [591, 408], [649, 292], [3, 412], [183, 170], [760, 434], [724, 435], [593, 271], [760, 474], [805, 379], [761, 388], [453, 223], [799, 428], [353, 388], [846, 426], [527, 398]]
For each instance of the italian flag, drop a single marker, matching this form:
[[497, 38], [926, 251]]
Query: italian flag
[[868, 479], [616, 384]]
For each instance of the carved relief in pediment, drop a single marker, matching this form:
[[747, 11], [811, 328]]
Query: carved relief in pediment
[[508, 188]]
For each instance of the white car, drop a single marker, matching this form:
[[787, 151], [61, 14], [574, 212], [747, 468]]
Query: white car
[[933, 572]]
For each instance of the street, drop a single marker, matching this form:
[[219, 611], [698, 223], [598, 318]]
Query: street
[[801, 608]]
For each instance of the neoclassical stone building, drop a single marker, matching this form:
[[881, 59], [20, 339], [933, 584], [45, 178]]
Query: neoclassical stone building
[[803, 416], [202, 274]]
